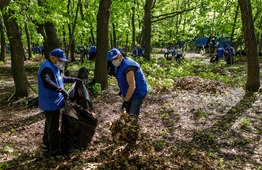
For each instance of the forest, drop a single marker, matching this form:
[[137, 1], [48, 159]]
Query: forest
[[196, 115]]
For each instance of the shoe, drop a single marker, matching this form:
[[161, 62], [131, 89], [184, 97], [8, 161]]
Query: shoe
[[56, 157], [45, 148]]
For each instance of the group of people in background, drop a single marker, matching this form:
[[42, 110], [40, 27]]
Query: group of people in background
[[226, 51], [176, 54], [89, 52]]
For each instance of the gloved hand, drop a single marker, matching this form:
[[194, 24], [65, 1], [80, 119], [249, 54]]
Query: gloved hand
[[64, 93], [120, 93], [124, 105]]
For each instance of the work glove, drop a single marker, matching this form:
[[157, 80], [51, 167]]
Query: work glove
[[124, 105], [64, 93], [120, 93]]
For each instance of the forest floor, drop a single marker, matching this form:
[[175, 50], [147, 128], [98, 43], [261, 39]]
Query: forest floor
[[197, 124]]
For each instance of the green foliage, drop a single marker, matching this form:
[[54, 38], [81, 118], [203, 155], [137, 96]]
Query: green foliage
[[159, 145], [96, 88], [3, 165], [162, 73], [245, 122]]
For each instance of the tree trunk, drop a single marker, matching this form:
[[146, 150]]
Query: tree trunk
[[114, 35], [22, 87], [147, 26], [52, 40], [133, 26], [40, 30], [253, 83], [2, 34], [234, 24], [29, 51], [92, 36], [103, 16]]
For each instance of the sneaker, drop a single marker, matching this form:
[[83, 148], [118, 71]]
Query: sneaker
[[45, 148]]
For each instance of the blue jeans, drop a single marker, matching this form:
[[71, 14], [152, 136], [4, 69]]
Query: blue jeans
[[134, 106]]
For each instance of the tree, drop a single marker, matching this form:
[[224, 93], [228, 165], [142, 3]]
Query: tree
[[253, 83], [22, 87], [2, 33], [147, 27], [103, 17], [51, 41]]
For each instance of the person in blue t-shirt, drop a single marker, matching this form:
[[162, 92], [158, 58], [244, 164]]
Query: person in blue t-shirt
[[179, 55], [230, 54], [166, 53], [173, 51], [219, 54], [92, 52], [51, 96], [131, 82]]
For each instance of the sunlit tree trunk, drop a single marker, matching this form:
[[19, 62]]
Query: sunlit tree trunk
[[102, 43], [234, 24], [51, 40], [40, 30], [147, 26], [28, 38], [22, 87], [253, 83], [2, 34], [133, 26]]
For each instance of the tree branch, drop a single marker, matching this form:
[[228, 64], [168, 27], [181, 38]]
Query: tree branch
[[169, 15]]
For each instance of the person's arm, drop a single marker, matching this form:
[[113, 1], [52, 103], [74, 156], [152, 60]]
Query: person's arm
[[130, 77], [70, 79], [47, 77]]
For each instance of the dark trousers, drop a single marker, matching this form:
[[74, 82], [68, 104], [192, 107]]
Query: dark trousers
[[51, 136], [110, 68]]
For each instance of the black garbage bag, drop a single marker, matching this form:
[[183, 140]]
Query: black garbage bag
[[78, 122]]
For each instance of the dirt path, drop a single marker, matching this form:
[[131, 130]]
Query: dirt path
[[198, 124]]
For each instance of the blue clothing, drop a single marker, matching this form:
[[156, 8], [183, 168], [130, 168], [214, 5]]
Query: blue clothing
[[231, 51], [220, 52], [173, 51], [50, 100], [135, 105], [141, 86], [93, 49]]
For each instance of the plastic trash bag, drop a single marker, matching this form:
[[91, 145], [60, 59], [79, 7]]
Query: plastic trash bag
[[78, 122]]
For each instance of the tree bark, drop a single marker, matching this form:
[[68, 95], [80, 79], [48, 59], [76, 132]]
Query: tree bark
[[2, 34], [22, 87], [29, 51], [103, 16], [52, 41], [147, 26], [114, 35], [234, 24], [253, 83], [133, 26], [40, 30]]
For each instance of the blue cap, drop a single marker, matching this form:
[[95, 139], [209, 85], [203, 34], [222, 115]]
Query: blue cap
[[114, 53], [59, 54]]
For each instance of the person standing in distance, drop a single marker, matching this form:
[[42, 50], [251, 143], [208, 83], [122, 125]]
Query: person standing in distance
[[131, 81], [51, 96]]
